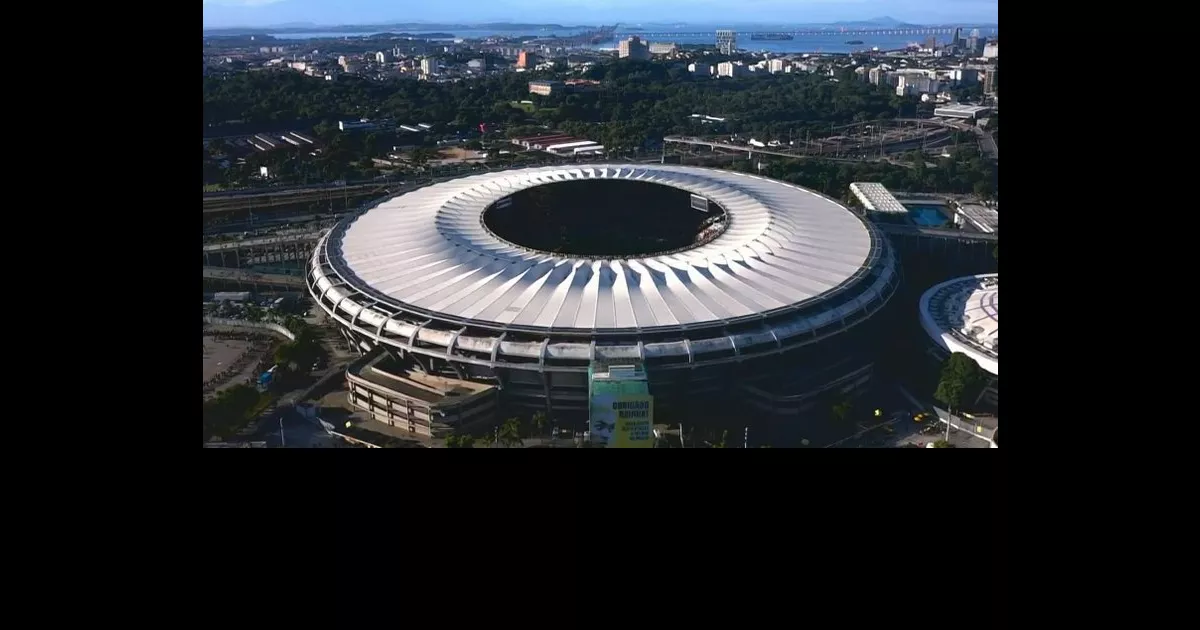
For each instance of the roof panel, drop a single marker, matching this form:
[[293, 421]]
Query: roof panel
[[428, 249]]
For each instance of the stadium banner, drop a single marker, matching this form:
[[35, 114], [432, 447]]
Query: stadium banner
[[634, 422], [605, 397]]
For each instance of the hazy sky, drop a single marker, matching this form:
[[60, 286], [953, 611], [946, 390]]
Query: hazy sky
[[223, 13]]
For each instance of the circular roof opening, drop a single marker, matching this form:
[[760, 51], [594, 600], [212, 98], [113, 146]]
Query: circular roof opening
[[610, 219]]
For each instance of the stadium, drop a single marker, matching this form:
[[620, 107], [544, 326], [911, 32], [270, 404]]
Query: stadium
[[712, 282], [963, 315]]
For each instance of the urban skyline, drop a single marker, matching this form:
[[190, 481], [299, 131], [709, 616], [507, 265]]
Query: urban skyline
[[266, 13]]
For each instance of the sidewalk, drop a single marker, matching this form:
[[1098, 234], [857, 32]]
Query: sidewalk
[[981, 428]]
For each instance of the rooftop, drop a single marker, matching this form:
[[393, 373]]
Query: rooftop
[[408, 383], [983, 218], [429, 251], [875, 198], [959, 108], [963, 315]]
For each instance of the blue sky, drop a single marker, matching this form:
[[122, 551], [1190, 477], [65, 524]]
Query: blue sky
[[225, 13]]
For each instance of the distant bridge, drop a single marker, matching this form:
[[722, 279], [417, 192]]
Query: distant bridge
[[797, 33]]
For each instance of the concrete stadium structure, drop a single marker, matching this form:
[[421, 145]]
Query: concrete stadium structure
[[771, 294], [963, 315]]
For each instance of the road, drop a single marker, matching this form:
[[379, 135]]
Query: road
[[238, 275], [987, 143], [265, 241], [750, 149]]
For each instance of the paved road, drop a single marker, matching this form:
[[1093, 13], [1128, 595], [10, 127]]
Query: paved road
[[761, 151], [265, 241], [987, 143], [238, 275]]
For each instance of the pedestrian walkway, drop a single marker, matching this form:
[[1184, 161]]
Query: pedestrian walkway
[[982, 428]]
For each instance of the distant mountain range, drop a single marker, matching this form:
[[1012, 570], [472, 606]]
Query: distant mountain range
[[308, 27]]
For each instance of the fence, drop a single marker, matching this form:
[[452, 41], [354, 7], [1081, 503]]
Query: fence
[[241, 323]]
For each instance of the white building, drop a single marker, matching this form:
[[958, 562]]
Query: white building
[[383, 56], [430, 65], [969, 112], [731, 69], [991, 50], [633, 48], [700, 68], [777, 65], [663, 48]]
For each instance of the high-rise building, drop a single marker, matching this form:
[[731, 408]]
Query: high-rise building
[[383, 56], [730, 69], [775, 66], [633, 48], [526, 59], [726, 41], [430, 65], [876, 76], [991, 50]]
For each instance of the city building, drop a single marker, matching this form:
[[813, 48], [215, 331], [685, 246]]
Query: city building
[[430, 66], [422, 404], [383, 56], [466, 286], [877, 76], [633, 48], [991, 50], [477, 65], [967, 112], [963, 315], [989, 81], [544, 88], [663, 48], [964, 76], [775, 66], [731, 69], [526, 59], [577, 147], [700, 68], [727, 42]]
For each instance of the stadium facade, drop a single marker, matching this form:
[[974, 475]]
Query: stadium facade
[[963, 315], [713, 282]]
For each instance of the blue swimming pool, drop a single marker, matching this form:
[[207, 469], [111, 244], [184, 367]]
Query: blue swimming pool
[[927, 216]]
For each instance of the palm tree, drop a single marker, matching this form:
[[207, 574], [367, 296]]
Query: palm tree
[[510, 433], [539, 422]]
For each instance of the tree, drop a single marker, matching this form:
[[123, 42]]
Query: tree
[[460, 441], [960, 375], [942, 444], [841, 410], [539, 422], [510, 433]]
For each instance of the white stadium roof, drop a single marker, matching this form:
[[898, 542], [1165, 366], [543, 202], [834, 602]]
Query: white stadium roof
[[876, 198], [963, 315], [428, 249]]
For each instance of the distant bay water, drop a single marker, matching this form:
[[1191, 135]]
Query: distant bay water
[[831, 43]]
